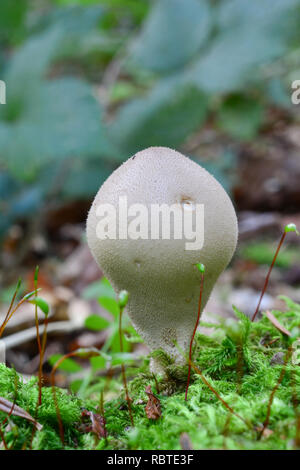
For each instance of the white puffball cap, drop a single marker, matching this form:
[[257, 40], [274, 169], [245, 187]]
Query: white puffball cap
[[161, 275]]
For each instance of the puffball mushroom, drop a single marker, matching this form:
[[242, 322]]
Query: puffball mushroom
[[161, 274]]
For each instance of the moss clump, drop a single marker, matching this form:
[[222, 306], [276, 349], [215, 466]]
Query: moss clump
[[25, 395], [238, 360]]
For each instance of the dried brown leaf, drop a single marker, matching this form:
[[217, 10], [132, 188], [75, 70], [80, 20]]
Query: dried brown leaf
[[153, 407], [12, 409], [97, 424], [276, 323]]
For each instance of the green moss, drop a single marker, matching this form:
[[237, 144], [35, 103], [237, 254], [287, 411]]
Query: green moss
[[235, 360], [25, 395]]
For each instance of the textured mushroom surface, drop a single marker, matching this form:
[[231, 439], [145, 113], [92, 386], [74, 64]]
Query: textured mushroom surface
[[160, 275]]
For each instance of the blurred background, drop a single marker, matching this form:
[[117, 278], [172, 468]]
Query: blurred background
[[88, 84]]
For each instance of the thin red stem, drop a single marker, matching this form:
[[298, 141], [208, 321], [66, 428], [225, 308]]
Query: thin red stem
[[268, 275], [8, 316], [193, 335], [123, 370], [282, 374], [42, 354], [219, 396]]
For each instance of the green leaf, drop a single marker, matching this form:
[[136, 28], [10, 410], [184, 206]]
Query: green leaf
[[111, 305], [87, 353], [99, 289], [42, 304], [12, 24], [85, 178], [75, 385], [233, 13], [121, 358], [240, 117], [172, 34], [98, 363], [76, 22], [68, 365], [30, 294], [169, 114], [51, 127], [95, 322], [251, 34], [232, 61], [42, 47]]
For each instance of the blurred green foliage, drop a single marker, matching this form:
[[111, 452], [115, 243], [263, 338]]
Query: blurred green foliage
[[263, 253], [91, 82]]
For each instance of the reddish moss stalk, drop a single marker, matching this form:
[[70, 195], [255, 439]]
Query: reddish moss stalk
[[3, 440], [202, 270], [128, 399], [219, 397], [9, 314], [282, 374], [84, 353], [36, 274], [288, 228], [58, 414], [268, 276], [101, 408]]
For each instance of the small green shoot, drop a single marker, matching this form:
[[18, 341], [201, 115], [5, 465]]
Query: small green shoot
[[201, 269]]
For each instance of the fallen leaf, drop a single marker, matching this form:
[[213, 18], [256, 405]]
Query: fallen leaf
[[153, 408], [12, 409], [97, 424], [276, 323]]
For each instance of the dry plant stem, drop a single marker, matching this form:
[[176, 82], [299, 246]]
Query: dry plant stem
[[8, 316], [123, 370], [156, 383], [9, 414], [226, 430], [268, 275], [16, 339], [240, 365], [3, 440], [38, 337], [193, 335], [101, 408], [297, 439], [296, 403], [282, 374], [52, 379], [40, 374], [58, 415], [42, 354]]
